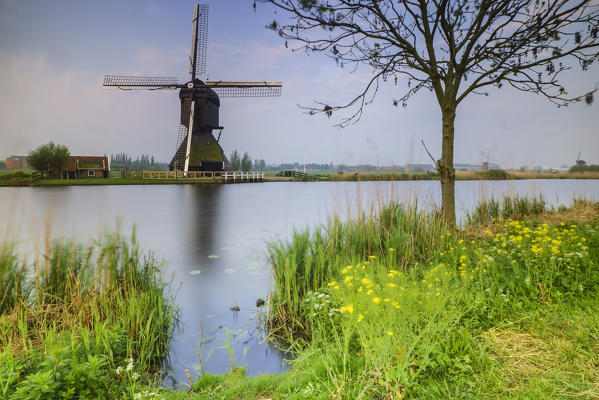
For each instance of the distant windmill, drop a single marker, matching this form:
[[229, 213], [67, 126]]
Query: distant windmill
[[200, 102], [579, 161], [484, 165]]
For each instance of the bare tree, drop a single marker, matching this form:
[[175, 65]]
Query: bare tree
[[453, 48]]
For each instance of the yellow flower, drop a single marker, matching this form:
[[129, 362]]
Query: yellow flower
[[387, 300], [389, 333], [391, 249], [360, 317], [331, 283], [348, 308], [369, 291], [376, 300], [372, 257]]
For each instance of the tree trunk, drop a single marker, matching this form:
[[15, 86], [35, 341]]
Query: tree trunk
[[445, 166]]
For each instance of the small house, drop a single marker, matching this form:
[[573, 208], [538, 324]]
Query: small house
[[83, 167]]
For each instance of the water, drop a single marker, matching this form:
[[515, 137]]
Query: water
[[213, 241]]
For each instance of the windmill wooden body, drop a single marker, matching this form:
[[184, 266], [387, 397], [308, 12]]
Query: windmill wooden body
[[197, 148]]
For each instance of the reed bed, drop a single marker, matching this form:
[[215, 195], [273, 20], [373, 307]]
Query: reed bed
[[509, 207], [393, 304], [553, 175], [396, 235], [82, 321]]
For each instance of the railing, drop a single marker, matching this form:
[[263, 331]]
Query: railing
[[181, 174], [243, 176], [224, 176], [293, 174]]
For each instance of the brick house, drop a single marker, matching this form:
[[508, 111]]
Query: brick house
[[79, 167], [17, 162]]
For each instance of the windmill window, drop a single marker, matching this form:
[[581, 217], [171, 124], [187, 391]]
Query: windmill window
[[91, 173]]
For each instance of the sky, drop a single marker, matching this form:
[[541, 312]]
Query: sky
[[54, 55]]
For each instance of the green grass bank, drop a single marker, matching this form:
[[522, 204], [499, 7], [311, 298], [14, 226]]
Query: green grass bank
[[393, 305], [83, 322]]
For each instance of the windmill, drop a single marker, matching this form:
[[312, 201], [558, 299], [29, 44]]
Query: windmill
[[579, 161], [197, 149]]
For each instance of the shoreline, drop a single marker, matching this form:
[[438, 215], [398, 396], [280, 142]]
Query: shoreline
[[25, 180]]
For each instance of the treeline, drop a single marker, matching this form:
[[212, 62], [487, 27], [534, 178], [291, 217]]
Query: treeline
[[583, 168], [245, 163], [123, 161]]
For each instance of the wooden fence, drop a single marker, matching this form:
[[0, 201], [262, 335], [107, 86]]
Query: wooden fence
[[224, 176]]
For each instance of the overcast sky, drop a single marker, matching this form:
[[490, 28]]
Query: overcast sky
[[53, 56]]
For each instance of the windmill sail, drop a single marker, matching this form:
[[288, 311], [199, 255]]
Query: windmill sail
[[199, 40], [245, 89], [178, 160], [140, 82]]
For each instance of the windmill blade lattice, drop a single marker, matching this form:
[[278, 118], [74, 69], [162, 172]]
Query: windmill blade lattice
[[182, 133], [245, 89], [199, 40], [140, 82]]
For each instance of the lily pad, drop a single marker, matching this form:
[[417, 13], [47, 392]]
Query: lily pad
[[212, 256], [251, 266], [195, 272], [229, 271]]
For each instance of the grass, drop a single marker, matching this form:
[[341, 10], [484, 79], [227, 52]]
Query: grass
[[394, 305], [307, 264], [15, 178], [553, 175], [82, 321]]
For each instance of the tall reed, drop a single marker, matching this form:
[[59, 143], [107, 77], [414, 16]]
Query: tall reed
[[396, 235], [107, 297], [510, 207]]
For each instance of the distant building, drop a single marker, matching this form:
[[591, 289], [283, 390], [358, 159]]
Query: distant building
[[420, 167], [79, 167], [17, 162], [466, 167]]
